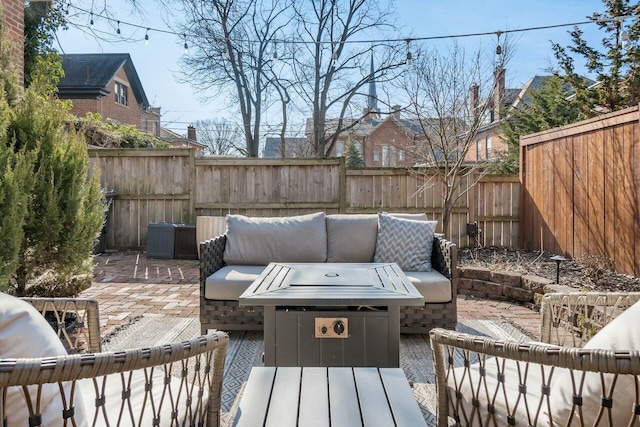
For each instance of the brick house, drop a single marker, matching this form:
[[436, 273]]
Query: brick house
[[489, 137], [180, 141], [108, 84], [12, 12]]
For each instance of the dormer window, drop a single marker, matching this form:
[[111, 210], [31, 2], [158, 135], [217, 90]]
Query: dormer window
[[121, 93]]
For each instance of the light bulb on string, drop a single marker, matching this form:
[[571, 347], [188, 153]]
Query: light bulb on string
[[118, 30], [68, 6], [409, 56], [91, 21], [186, 46], [275, 50], [146, 37], [498, 47], [624, 36]]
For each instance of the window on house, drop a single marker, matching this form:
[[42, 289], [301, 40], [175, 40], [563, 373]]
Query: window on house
[[385, 155], [488, 147], [478, 149], [401, 155], [339, 148], [121, 93], [376, 155]]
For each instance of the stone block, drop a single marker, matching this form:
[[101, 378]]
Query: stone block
[[489, 288], [507, 278], [558, 288], [477, 273], [517, 293], [535, 283], [465, 284]]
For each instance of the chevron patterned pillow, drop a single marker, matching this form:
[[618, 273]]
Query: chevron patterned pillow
[[404, 241]]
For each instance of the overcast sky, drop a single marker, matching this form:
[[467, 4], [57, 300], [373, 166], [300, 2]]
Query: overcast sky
[[157, 60]]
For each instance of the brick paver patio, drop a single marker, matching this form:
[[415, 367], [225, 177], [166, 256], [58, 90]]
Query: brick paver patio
[[128, 285]]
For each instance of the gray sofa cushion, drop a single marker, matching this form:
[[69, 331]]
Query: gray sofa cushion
[[231, 281], [352, 237], [433, 286], [259, 241]]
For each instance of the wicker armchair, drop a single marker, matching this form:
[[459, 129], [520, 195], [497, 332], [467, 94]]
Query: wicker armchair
[[483, 381], [172, 384]]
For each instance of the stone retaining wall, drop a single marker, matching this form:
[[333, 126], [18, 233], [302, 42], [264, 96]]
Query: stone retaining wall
[[501, 285]]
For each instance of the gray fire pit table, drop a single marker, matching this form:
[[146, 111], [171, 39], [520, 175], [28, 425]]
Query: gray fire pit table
[[332, 314]]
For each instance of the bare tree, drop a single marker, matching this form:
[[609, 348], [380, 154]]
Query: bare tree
[[331, 70], [230, 53], [450, 95], [222, 137]]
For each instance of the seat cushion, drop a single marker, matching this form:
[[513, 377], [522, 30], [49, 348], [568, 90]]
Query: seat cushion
[[433, 286], [231, 281], [259, 241], [352, 237], [24, 333], [406, 242]]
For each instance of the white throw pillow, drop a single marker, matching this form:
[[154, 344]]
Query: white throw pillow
[[25, 333], [406, 242], [622, 333]]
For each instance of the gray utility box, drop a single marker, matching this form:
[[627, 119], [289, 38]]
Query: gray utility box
[[160, 239], [369, 338]]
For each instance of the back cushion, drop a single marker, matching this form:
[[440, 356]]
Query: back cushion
[[25, 333], [621, 334], [259, 241], [352, 237]]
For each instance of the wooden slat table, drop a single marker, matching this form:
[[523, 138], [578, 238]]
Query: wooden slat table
[[309, 397]]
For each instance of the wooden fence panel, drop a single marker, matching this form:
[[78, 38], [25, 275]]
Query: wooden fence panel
[[175, 186], [581, 189]]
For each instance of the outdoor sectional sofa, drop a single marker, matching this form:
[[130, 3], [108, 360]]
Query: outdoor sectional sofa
[[230, 262]]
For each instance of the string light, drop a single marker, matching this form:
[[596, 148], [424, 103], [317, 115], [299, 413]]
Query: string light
[[275, 50], [409, 56], [118, 30], [186, 46], [498, 47], [389, 40], [146, 37]]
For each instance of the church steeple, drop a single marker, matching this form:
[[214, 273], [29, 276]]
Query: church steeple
[[372, 99]]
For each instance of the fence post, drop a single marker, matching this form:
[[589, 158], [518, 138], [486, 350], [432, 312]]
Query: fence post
[[342, 186], [192, 185]]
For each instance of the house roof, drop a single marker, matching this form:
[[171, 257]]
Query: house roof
[[87, 75], [171, 136], [294, 147]]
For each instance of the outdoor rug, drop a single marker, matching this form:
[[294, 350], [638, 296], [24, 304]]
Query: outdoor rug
[[245, 351]]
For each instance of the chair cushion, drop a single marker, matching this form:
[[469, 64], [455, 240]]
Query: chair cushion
[[259, 241], [433, 286], [408, 243], [25, 333], [352, 237], [231, 281], [621, 333]]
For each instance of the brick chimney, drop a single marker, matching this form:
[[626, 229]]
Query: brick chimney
[[474, 100], [498, 95], [191, 133]]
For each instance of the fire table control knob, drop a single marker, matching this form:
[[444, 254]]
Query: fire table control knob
[[338, 327]]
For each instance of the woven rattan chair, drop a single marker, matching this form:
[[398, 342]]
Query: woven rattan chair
[[181, 382], [483, 381]]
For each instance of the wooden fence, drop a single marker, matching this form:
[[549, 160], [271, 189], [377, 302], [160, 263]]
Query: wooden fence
[[175, 186], [581, 190]]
